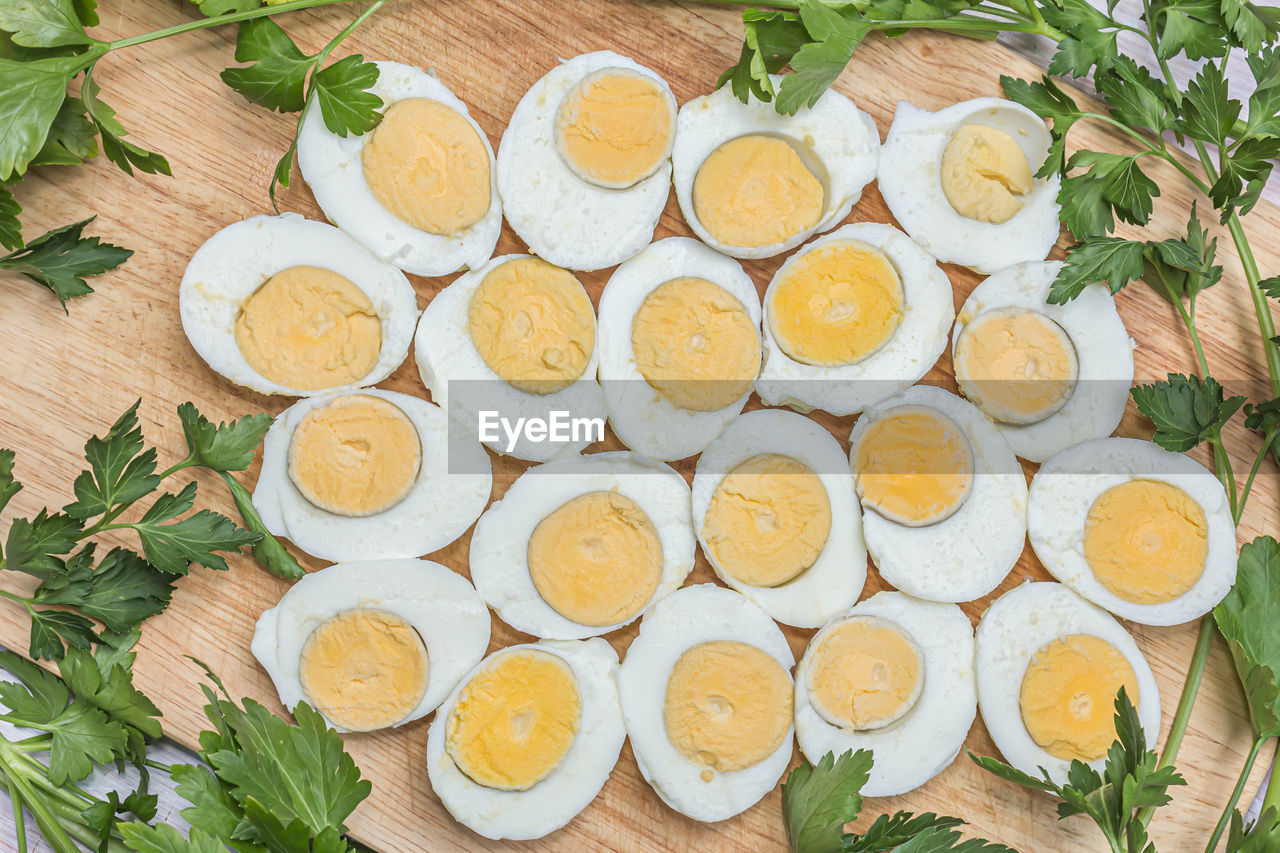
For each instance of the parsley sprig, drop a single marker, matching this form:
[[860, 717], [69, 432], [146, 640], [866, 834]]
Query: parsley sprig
[[61, 259]]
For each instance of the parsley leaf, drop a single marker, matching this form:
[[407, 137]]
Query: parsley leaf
[[10, 227], [1246, 618], [1090, 37], [122, 593], [1264, 417], [1047, 100], [125, 155], [163, 838], [341, 91], [72, 137], [1112, 260], [212, 806], [1261, 837], [8, 485], [195, 539], [33, 543], [1208, 110], [771, 39], [120, 470], [51, 629], [31, 93], [836, 34], [1244, 175], [268, 549], [225, 447], [1271, 286], [214, 8], [1185, 409], [1193, 27], [111, 692], [42, 23], [1134, 96], [277, 77], [819, 799], [1110, 183], [61, 260], [1251, 25]]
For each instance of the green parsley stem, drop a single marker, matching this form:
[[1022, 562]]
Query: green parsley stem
[[1272, 798], [55, 834], [1260, 306], [1267, 442], [206, 23], [19, 817], [1241, 780]]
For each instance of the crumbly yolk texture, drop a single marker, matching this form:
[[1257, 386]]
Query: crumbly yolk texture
[[836, 304], [914, 466], [426, 164], [755, 191], [1068, 696], [695, 344], [615, 127], [597, 559], [984, 173], [1146, 541], [1018, 366], [309, 328], [364, 669], [533, 325], [357, 455], [865, 674], [515, 720], [728, 706], [768, 520]]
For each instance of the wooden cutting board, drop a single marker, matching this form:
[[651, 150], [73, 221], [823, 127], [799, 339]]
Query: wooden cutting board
[[63, 378]]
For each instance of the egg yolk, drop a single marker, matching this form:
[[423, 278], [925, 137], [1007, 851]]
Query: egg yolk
[[983, 174], [309, 328], [615, 127], [1068, 696], [767, 521], [533, 325], [357, 455], [865, 673], [1018, 366], [695, 344], [755, 191], [597, 559], [914, 466], [364, 669], [1146, 541], [515, 720], [836, 304], [426, 164], [727, 706]]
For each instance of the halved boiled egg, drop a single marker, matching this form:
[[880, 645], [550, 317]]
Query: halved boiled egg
[[419, 190], [1140, 531], [962, 182], [284, 305]]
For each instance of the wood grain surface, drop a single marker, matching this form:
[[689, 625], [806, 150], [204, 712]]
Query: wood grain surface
[[63, 378]]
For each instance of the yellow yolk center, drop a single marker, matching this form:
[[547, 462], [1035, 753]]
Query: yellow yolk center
[[1146, 541], [768, 520], [533, 325], [364, 669], [836, 304], [914, 466], [728, 706], [309, 328], [357, 455], [865, 673], [983, 174], [695, 344], [1068, 696], [615, 127], [515, 720], [597, 559], [756, 191], [1016, 365]]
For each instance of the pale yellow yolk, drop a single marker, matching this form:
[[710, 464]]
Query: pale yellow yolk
[[836, 304], [756, 191], [357, 455], [615, 127], [768, 520], [364, 669], [865, 674], [1068, 696], [515, 720], [426, 164], [695, 344], [914, 466], [533, 325], [309, 328], [728, 706], [984, 172], [597, 559], [1016, 365], [1146, 541]]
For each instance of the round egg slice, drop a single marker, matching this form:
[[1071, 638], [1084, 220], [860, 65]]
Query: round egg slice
[[894, 675], [509, 344], [580, 547], [679, 346], [420, 190], [1050, 376], [851, 319], [777, 517], [753, 183], [284, 305], [528, 738], [962, 182], [1140, 531], [1050, 666], [369, 475], [944, 502], [372, 644], [584, 167], [707, 698]]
